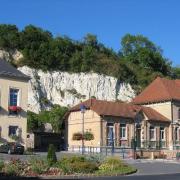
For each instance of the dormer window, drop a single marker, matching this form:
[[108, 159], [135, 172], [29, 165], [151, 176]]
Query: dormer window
[[14, 107]]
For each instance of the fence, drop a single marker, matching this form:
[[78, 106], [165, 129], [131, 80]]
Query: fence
[[145, 149], [123, 152]]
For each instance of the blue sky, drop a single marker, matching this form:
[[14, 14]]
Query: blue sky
[[110, 20]]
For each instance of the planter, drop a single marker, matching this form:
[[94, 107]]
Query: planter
[[14, 108], [77, 136]]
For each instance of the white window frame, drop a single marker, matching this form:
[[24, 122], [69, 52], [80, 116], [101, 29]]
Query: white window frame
[[164, 138], [121, 131], [111, 127], [19, 95]]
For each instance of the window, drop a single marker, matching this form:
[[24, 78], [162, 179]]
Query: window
[[152, 133], [13, 130], [13, 101], [123, 131], [110, 134], [176, 134], [179, 114], [162, 133]]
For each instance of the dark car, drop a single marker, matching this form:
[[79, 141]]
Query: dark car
[[12, 148]]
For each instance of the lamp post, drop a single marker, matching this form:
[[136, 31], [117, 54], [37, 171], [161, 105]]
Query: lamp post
[[134, 142], [112, 141], [173, 124], [82, 108]]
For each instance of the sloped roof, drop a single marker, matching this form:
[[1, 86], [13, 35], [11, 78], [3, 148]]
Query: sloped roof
[[154, 115], [6, 70], [160, 89], [119, 109]]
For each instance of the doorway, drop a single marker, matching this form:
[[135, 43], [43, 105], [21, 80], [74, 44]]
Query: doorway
[[138, 137]]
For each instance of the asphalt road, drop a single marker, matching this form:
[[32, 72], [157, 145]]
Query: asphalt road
[[145, 177]]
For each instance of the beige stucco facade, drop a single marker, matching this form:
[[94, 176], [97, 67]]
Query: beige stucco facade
[[19, 120], [163, 108], [170, 109], [91, 123]]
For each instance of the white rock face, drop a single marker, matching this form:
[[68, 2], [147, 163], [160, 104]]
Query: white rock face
[[14, 55], [68, 89]]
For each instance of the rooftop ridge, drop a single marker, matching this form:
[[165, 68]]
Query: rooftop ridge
[[8, 71], [161, 89]]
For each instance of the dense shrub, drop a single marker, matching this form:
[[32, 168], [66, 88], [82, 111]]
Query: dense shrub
[[51, 156], [77, 164]]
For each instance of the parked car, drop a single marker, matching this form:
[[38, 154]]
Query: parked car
[[12, 148]]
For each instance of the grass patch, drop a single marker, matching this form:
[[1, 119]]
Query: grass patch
[[125, 170]]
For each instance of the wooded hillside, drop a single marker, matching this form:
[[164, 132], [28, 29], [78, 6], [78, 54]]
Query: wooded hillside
[[138, 61]]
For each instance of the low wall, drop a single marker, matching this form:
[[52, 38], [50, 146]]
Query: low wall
[[149, 154], [170, 154]]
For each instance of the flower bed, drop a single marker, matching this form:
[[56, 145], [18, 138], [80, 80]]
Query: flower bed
[[71, 166]]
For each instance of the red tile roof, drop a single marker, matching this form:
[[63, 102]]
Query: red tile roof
[[119, 109], [154, 115], [160, 89]]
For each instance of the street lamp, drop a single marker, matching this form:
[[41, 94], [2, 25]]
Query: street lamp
[[83, 109]]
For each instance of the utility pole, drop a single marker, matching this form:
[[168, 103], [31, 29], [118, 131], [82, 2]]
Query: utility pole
[[82, 108]]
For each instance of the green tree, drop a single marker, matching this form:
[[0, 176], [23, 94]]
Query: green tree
[[34, 44], [33, 122], [141, 51], [9, 37], [56, 117], [176, 72]]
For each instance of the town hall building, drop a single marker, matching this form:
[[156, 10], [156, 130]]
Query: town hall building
[[151, 119]]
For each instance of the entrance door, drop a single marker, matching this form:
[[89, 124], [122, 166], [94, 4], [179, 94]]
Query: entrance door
[[138, 137]]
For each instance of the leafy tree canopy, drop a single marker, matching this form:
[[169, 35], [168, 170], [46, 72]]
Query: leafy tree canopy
[[54, 117]]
